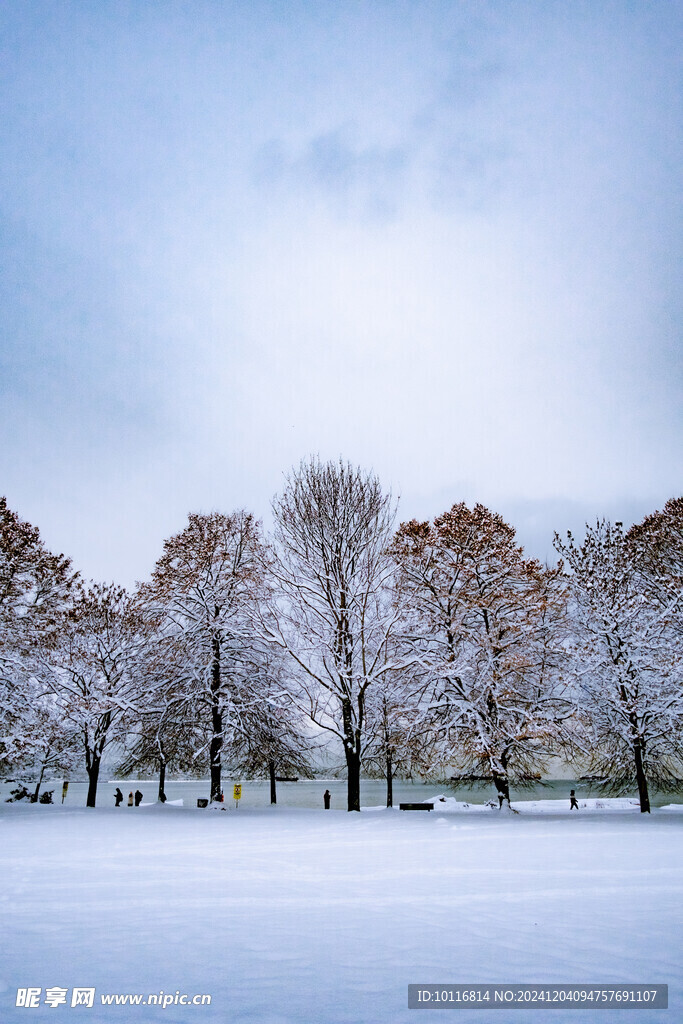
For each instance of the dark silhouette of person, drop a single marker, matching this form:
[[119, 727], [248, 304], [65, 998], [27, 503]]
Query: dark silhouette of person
[[118, 797], [327, 797], [138, 797], [130, 798], [573, 802]]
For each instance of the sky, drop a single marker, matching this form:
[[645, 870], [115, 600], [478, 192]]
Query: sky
[[439, 239]]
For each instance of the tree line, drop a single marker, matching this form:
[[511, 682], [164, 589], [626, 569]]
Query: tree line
[[433, 649]]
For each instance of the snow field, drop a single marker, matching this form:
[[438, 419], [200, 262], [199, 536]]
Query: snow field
[[286, 915]]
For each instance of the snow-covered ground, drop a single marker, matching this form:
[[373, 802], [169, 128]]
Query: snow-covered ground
[[294, 915]]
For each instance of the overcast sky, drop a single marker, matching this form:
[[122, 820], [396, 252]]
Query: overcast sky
[[441, 239]]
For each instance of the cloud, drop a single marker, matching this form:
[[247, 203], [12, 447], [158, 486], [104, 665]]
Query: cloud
[[449, 148], [363, 180]]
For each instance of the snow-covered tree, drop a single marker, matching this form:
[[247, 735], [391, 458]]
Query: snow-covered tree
[[485, 624], [656, 545], [35, 587], [331, 607], [34, 584], [168, 732], [42, 742], [268, 737], [203, 590], [91, 668], [396, 745], [628, 671]]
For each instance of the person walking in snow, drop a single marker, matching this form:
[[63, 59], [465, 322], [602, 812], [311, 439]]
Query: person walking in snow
[[118, 797], [138, 797], [573, 802], [130, 798], [327, 797]]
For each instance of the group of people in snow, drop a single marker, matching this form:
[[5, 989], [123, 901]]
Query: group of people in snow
[[133, 798]]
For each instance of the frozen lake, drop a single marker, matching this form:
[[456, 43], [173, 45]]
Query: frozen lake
[[309, 793]]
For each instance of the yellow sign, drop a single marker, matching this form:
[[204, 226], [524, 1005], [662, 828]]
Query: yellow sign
[[236, 792]]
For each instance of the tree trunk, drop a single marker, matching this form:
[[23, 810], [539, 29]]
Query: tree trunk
[[215, 753], [640, 777], [273, 791], [95, 743], [34, 798], [93, 769], [503, 789], [390, 781], [353, 779], [352, 750], [161, 796], [216, 744], [501, 780]]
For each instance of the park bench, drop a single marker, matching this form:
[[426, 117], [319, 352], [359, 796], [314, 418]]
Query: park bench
[[416, 807]]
